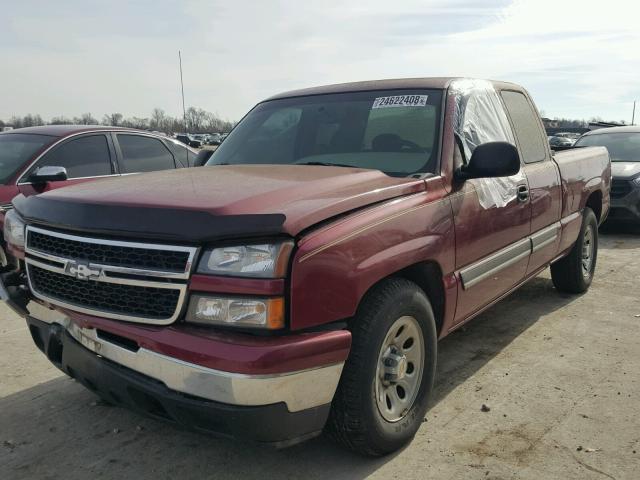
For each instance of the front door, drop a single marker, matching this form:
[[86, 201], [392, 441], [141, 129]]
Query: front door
[[85, 157], [492, 216], [492, 244]]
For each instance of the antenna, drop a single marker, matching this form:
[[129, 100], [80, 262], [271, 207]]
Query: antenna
[[184, 111]]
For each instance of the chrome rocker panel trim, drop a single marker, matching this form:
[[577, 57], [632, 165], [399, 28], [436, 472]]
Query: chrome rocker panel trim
[[509, 255]]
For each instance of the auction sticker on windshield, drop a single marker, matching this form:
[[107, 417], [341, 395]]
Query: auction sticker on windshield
[[401, 101]]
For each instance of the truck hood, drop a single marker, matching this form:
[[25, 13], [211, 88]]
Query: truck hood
[[209, 203], [625, 170]]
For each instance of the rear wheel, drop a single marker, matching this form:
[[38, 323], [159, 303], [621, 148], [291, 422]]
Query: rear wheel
[[574, 273], [383, 394]]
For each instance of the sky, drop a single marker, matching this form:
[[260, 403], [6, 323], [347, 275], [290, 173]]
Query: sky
[[578, 58]]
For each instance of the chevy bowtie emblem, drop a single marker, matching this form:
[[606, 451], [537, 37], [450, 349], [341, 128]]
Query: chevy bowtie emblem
[[82, 271]]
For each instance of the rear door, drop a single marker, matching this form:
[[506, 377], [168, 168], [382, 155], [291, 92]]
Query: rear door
[[141, 153], [545, 190], [491, 220], [85, 157]]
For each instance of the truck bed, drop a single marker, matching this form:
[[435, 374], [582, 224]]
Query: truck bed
[[583, 170]]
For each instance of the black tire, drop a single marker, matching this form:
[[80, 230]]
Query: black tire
[[355, 420], [568, 274]]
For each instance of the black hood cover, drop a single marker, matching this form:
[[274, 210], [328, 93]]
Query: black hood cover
[[173, 224]]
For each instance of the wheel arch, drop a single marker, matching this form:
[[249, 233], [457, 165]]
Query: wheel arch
[[427, 275], [594, 202]]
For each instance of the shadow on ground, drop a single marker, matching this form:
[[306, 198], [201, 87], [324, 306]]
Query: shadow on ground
[[55, 429]]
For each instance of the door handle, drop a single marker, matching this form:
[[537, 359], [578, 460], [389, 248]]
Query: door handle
[[523, 193]]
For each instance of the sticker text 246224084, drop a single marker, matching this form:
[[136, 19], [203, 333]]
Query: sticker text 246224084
[[401, 101]]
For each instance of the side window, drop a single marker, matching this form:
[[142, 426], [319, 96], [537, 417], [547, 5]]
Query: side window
[[180, 153], [143, 154], [82, 157], [190, 158], [479, 116], [526, 125]]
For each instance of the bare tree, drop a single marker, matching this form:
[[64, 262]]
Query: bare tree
[[85, 119], [197, 118], [61, 120], [198, 121], [158, 120], [15, 122], [113, 119], [32, 120], [137, 122]]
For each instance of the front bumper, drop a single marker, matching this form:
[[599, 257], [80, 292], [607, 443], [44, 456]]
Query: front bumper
[[272, 424], [274, 390], [626, 208]]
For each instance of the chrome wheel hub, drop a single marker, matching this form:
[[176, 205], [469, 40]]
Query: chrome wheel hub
[[399, 369], [587, 252], [395, 366]]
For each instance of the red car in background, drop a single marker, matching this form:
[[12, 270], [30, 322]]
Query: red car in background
[[79, 153]]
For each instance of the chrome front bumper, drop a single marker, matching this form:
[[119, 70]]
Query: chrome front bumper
[[299, 390]]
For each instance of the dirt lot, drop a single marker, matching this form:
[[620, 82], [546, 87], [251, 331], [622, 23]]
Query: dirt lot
[[560, 374]]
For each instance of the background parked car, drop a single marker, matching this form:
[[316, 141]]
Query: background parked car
[[623, 144], [560, 142], [85, 153], [570, 135], [200, 137], [214, 139], [187, 140]]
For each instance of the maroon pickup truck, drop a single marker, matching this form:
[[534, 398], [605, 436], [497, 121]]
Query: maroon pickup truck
[[300, 281]]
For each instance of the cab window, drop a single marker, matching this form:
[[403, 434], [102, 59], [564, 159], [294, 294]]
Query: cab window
[[526, 125]]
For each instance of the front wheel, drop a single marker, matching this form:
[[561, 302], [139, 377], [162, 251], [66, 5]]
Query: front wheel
[[383, 394], [574, 273]]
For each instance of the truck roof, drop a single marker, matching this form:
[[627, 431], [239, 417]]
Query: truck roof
[[389, 84]]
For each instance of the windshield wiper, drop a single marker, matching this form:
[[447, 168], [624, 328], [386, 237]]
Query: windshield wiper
[[327, 164]]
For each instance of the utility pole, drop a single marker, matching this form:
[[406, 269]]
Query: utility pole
[[184, 111], [633, 117]]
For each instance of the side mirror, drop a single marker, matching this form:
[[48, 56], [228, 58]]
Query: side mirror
[[202, 157], [493, 159], [48, 174]]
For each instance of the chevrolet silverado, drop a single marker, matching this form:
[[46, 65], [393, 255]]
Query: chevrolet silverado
[[299, 282]]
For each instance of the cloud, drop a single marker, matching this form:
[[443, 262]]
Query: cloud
[[577, 58]]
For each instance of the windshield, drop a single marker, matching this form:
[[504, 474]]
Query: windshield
[[623, 147], [392, 131], [16, 149]]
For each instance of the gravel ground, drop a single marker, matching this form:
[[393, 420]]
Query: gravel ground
[[560, 376]]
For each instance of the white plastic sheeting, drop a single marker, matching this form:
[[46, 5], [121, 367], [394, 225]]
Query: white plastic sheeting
[[479, 117]]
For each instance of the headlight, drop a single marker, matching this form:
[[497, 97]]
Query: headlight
[[636, 181], [236, 311], [14, 229], [267, 260]]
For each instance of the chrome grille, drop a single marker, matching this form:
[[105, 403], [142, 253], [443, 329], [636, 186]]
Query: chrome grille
[[116, 255], [139, 282]]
